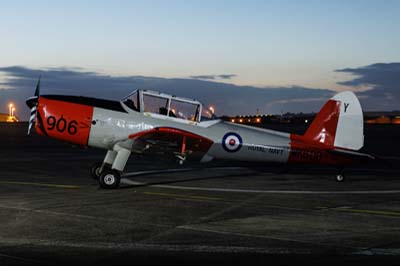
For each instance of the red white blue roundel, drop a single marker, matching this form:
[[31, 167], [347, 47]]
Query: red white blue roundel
[[232, 142]]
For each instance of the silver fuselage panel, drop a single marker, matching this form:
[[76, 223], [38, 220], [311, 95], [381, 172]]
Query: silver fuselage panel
[[230, 141]]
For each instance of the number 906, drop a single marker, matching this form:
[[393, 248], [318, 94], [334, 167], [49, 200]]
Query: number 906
[[62, 125]]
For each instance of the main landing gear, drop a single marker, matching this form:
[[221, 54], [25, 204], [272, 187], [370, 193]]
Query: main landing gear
[[109, 179], [96, 169], [181, 156], [108, 172]]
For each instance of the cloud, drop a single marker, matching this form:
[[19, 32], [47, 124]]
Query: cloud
[[381, 74], [227, 76], [228, 99], [303, 100], [213, 77], [384, 82]]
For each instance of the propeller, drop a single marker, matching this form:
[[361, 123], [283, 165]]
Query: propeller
[[32, 103]]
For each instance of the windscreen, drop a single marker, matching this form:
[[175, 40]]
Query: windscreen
[[155, 104], [132, 101], [184, 110]]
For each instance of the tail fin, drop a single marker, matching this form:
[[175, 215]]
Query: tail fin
[[340, 123]]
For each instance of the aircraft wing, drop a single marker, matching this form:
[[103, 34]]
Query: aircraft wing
[[168, 141]]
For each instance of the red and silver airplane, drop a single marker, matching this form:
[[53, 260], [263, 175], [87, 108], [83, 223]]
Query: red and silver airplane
[[150, 122]]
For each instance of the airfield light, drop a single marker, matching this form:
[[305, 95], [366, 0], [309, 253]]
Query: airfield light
[[258, 120], [233, 120], [9, 108], [240, 120]]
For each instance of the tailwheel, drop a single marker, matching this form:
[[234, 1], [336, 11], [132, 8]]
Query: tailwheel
[[339, 177], [109, 179], [95, 170]]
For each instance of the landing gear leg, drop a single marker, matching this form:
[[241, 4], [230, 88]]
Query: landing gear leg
[[110, 178], [181, 157]]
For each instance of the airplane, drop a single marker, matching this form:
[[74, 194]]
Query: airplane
[[154, 123]]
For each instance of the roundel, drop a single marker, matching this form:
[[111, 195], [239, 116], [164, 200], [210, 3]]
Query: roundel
[[232, 142]]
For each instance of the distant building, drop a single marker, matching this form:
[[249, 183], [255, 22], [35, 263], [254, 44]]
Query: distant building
[[301, 118], [384, 120], [382, 117], [287, 118], [3, 117], [7, 118]]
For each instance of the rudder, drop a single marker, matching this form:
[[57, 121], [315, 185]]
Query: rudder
[[339, 124]]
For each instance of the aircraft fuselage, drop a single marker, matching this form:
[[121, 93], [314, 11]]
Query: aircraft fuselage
[[103, 124]]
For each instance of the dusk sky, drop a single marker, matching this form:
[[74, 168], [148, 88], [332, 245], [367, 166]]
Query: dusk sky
[[322, 45]]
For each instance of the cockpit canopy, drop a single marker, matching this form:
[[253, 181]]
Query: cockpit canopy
[[158, 103]]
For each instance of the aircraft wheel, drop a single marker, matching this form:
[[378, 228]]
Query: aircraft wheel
[[340, 178], [95, 170], [109, 179], [180, 159]]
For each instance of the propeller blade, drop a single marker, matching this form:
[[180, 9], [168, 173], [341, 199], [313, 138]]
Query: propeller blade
[[37, 90], [32, 118], [33, 102]]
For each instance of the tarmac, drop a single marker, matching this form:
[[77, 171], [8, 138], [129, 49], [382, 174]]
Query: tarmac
[[53, 213]]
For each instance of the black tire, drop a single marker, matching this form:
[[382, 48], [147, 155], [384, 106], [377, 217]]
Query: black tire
[[95, 170], [109, 179], [340, 178]]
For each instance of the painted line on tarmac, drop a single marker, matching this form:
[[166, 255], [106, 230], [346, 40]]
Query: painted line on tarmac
[[80, 216], [180, 196], [301, 192], [205, 230], [230, 249], [39, 184], [155, 247], [379, 251], [373, 212]]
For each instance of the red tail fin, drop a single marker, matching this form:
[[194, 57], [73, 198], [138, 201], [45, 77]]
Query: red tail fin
[[339, 124], [323, 128]]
